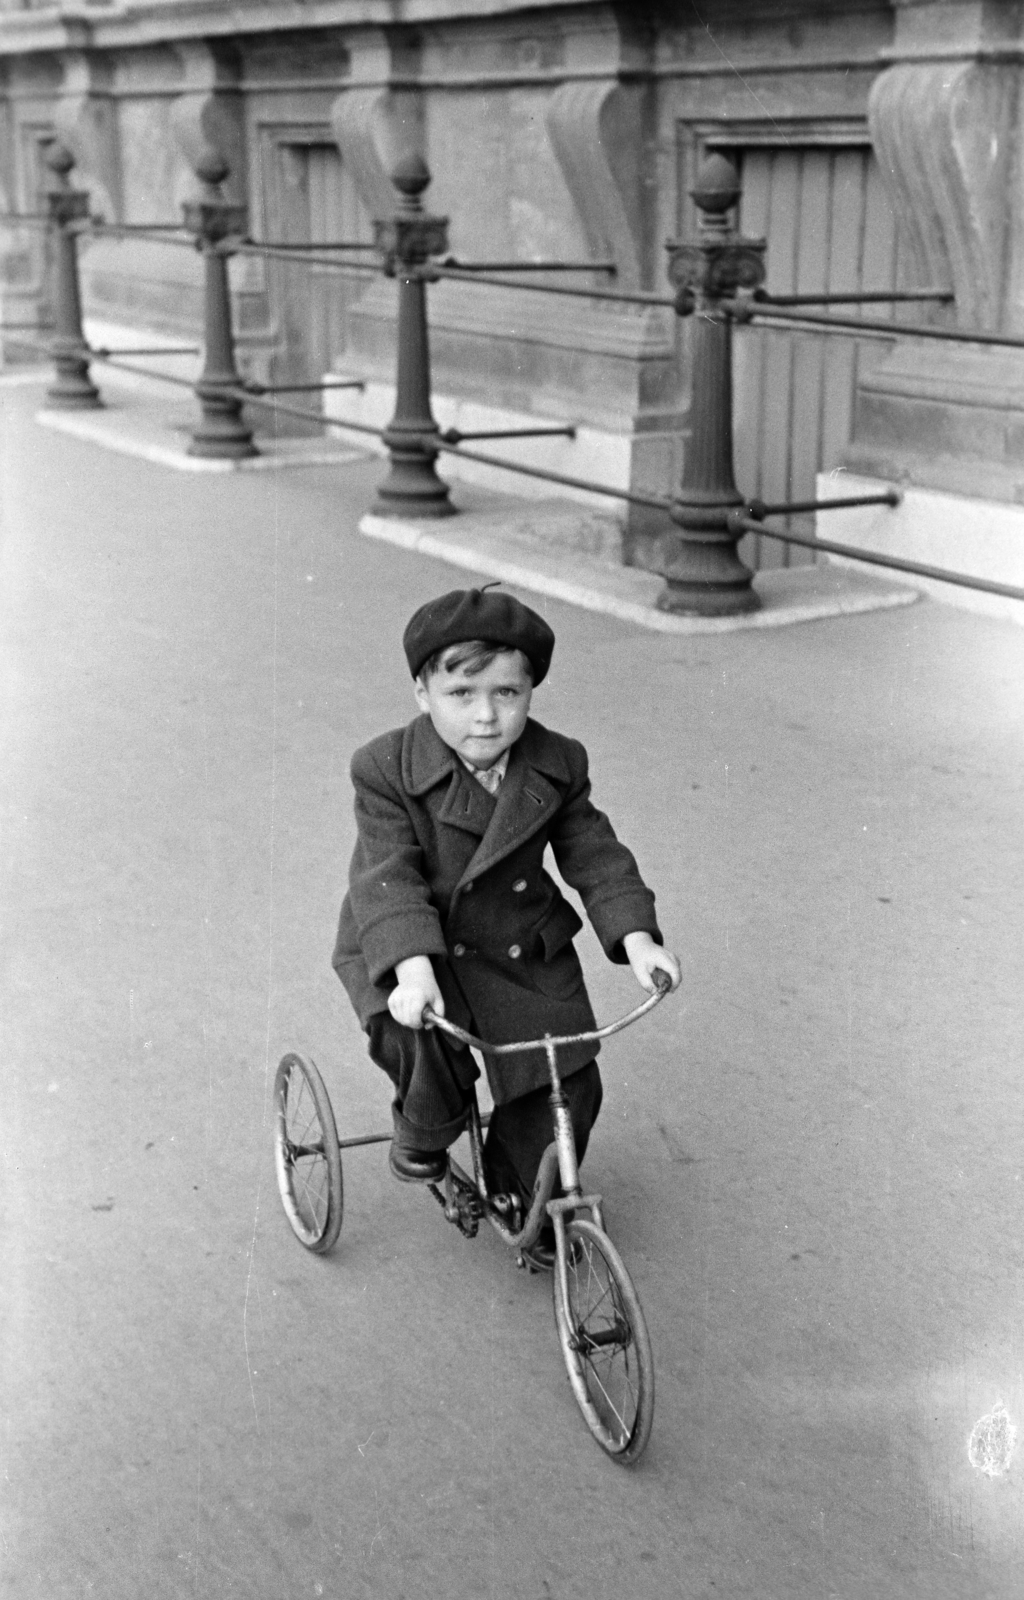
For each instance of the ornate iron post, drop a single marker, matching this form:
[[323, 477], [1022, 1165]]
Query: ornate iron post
[[214, 220], [412, 487], [704, 574], [68, 208]]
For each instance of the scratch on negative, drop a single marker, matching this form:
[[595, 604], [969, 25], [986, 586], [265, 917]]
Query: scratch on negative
[[273, 819], [245, 1308], [734, 69], [380, 1529]]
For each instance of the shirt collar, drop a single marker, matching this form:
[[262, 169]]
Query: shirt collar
[[500, 767]]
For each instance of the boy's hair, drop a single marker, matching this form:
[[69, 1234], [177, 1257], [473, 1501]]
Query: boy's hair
[[473, 656]]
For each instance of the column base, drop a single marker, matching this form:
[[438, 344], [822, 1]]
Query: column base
[[214, 446], [412, 488], [708, 599], [704, 577], [73, 389], [222, 435]]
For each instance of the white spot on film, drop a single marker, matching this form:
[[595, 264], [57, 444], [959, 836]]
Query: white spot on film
[[991, 1443]]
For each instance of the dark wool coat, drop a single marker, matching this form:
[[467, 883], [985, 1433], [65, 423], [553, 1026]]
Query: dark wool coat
[[442, 868]]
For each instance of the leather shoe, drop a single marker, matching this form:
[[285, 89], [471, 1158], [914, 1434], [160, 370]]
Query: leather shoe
[[540, 1255], [417, 1166]]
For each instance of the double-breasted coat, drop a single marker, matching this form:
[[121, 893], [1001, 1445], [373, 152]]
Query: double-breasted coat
[[442, 868]]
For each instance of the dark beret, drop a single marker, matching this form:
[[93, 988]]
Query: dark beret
[[478, 614]]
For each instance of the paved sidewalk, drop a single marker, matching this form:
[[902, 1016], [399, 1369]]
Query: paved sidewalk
[[811, 1160]]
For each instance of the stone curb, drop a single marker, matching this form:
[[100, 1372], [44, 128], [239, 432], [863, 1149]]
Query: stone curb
[[479, 543]]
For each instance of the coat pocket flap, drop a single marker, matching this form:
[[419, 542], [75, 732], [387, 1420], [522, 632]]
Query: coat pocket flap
[[559, 928]]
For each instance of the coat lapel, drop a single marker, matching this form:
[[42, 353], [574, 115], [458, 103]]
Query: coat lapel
[[428, 762], [526, 800]]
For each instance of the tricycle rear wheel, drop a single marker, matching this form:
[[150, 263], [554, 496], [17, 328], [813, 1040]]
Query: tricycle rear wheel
[[306, 1154]]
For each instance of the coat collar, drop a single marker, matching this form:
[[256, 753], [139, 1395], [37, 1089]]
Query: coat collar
[[426, 759]]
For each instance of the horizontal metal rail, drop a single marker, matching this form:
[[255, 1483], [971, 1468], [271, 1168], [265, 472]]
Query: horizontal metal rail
[[739, 523], [456, 436], [757, 508], [530, 266], [252, 387], [157, 235], [659, 502], [744, 310], [854, 297], [796, 325], [101, 224], [101, 352], [273, 252], [313, 244], [432, 271]]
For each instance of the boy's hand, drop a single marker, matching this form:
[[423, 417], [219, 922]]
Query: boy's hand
[[646, 958], [417, 987]]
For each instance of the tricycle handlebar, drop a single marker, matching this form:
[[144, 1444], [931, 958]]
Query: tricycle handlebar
[[663, 984]]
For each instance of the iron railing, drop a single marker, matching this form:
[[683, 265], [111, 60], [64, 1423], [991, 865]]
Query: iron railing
[[720, 277]]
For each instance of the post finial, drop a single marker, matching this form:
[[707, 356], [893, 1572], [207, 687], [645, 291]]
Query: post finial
[[58, 157], [211, 169], [718, 185], [410, 175]]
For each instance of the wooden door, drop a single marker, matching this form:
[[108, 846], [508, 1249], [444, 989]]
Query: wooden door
[[830, 227], [312, 199]]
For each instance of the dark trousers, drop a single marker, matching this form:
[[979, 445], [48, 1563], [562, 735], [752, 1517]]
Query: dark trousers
[[434, 1076]]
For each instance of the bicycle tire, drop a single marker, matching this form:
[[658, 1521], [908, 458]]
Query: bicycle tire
[[306, 1154], [604, 1341]]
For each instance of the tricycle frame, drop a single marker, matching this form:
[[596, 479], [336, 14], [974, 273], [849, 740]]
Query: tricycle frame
[[597, 1312]]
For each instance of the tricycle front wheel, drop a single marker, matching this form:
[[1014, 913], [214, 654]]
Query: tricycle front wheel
[[604, 1341], [306, 1154]]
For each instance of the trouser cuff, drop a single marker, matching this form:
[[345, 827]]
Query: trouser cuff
[[412, 1136]]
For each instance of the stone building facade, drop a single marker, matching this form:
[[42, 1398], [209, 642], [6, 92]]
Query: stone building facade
[[879, 143]]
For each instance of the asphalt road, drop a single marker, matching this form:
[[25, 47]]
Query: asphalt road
[[812, 1158]]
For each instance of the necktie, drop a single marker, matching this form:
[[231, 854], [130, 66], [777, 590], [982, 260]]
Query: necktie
[[490, 777]]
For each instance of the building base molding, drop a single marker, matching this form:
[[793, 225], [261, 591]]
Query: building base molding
[[980, 538]]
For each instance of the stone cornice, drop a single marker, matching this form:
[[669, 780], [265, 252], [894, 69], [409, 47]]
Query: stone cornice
[[139, 22]]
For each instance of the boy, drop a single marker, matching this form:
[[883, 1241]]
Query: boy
[[449, 905]]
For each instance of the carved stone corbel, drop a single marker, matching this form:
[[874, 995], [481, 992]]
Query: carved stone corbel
[[373, 128], [84, 121], [948, 140], [595, 130], [945, 137], [207, 115]]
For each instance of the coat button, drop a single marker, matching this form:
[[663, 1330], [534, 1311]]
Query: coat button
[[519, 886], [459, 950], [515, 951], [466, 887]]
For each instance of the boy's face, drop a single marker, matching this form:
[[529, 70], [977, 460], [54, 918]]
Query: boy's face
[[479, 715]]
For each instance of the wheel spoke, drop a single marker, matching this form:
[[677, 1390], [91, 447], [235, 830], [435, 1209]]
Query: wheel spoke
[[318, 1169], [625, 1431]]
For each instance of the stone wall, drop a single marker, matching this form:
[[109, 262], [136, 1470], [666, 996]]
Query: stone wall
[[568, 130]]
